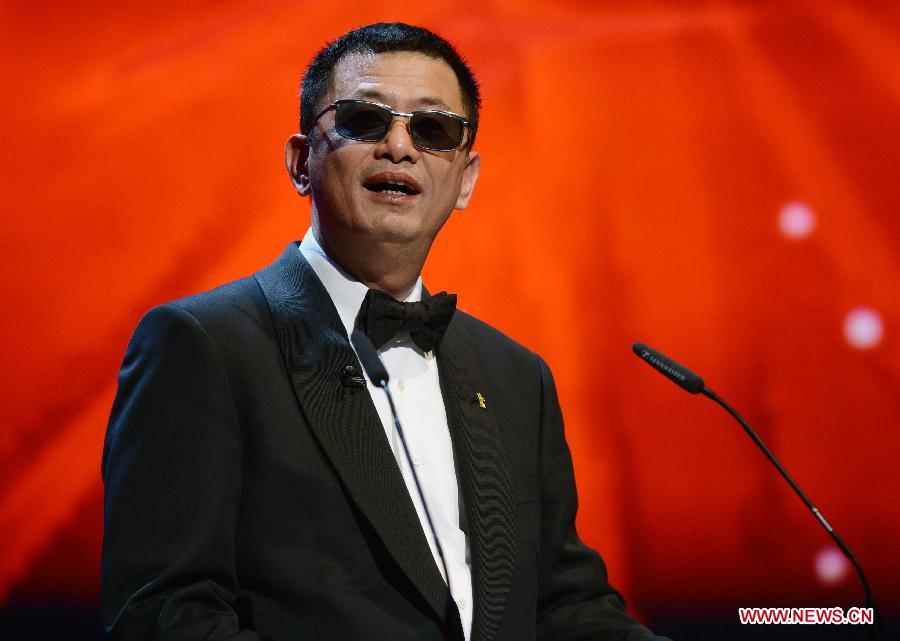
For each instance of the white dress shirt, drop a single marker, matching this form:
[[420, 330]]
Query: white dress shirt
[[416, 389]]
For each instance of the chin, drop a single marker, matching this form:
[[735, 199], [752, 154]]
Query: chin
[[397, 234], [397, 228]]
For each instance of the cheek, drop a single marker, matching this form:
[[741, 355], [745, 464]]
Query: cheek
[[333, 179], [440, 167], [447, 184]]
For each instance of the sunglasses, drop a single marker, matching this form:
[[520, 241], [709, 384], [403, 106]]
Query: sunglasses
[[430, 129]]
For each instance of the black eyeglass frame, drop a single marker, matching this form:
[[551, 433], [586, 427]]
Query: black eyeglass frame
[[396, 114]]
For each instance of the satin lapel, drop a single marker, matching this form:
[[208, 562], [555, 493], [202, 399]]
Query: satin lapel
[[344, 419], [483, 476]]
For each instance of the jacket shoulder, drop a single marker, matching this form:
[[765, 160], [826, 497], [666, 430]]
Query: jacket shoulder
[[230, 311], [222, 300]]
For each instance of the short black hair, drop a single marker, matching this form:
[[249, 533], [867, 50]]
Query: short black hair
[[386, 37]]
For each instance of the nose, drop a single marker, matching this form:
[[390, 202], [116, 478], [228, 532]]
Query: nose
[[397, 145]]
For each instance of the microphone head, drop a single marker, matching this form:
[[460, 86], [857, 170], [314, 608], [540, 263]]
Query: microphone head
[[368, 356], [678, 374]]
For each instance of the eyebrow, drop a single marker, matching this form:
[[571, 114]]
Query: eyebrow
[[425, 101]]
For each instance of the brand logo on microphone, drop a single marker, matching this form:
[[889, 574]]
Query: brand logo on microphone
[[658, 364]]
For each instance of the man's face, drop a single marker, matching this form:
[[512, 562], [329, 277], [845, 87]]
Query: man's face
[[346, 177]]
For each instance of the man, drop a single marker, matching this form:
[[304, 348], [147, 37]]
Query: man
[[256, 487]]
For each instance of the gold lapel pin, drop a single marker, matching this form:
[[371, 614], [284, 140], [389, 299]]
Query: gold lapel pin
[[481, 401]]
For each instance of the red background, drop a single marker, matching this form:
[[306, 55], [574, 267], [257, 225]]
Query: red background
[[636, 158]]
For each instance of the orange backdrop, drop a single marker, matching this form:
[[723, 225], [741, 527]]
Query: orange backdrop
[[716, 179]]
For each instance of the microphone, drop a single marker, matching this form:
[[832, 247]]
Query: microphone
[[377, 372], [678, 374], [687, 380], [368, 356]]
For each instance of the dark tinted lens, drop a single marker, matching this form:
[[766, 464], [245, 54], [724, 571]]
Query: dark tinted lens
[[436, 131], [361, 122]]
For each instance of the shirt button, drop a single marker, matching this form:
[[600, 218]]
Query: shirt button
[[462, 604], [417, 460], [401, 385]]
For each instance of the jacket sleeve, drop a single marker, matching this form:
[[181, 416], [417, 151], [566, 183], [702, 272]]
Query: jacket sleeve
[[575, 600], [171, 470]]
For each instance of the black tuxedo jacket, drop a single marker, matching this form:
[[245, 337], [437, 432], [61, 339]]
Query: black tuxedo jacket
[[251, 493]]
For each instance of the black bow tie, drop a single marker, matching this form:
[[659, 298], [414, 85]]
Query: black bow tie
[[381, 318]]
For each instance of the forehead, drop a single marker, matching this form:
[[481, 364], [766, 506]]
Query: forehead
[[404, 80]]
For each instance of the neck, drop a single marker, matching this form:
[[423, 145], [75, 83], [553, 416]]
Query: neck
[[389, 267]]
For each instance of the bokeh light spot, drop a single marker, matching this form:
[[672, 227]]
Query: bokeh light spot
[[863, 328], [796, 220], [831, 565]]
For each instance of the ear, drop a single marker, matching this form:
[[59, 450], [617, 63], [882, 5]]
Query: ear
[[296, 155], [469, 177]]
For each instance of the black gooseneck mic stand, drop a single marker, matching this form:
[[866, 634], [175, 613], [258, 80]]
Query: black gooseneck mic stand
[[371, 362], [687, 380]]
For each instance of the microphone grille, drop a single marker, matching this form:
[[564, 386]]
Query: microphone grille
[[368, 356], [678, 374]]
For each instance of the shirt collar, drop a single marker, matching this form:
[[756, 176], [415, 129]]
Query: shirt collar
[[346, 292]]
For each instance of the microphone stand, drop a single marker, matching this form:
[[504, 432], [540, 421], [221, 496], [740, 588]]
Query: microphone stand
[[692, 383], [377, 372], [873, 632], [437, 542]]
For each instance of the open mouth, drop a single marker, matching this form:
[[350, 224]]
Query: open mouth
[[391, 188], [392, 184]]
